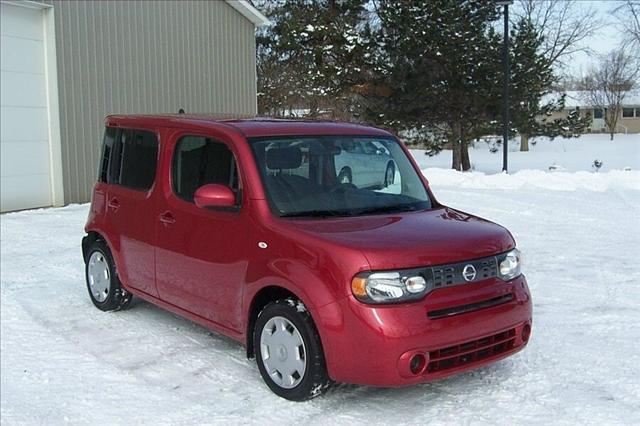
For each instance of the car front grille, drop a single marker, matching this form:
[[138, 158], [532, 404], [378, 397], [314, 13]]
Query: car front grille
[[471, 351], [453, 274], [446, 275]]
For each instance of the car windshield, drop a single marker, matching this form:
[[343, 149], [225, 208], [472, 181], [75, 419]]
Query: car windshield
[[328, 176]]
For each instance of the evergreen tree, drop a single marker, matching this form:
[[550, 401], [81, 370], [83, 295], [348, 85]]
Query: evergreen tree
[[312, 55], [432, 70], [436, 70], [531, 90], [273, 82]]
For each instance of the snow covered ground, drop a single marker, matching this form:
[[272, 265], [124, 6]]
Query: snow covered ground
[[63, 361], [569, 154]]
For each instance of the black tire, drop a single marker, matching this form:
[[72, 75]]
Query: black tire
[[116, 298], [389, 175], [345, 176], [315, 380]]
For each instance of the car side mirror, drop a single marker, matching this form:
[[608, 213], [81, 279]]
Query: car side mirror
[[214, 195], [379, 152]]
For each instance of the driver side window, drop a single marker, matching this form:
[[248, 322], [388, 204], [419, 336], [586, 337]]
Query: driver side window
[[198, 161]]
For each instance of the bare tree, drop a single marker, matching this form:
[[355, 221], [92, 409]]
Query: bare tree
[[608, 83], [628, 15], [565, 24]]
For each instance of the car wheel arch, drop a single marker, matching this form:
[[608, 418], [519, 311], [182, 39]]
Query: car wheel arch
[[89, 239], [262, 298], [93, 236]]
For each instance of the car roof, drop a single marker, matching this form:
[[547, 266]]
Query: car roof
[[249, 126]]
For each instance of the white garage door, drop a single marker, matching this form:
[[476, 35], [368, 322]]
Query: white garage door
[[25, 154]]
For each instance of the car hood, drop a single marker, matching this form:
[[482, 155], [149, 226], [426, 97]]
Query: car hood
[[406, 240]]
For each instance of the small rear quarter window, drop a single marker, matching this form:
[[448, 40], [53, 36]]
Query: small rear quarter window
[[105, 159]]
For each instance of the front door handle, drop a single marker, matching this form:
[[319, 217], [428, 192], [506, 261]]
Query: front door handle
[[167, 218], [113, 204]]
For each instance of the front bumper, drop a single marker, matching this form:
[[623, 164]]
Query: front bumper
[[374, 344]]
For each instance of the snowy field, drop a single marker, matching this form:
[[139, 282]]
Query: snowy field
[[571, 155], [63, 361]]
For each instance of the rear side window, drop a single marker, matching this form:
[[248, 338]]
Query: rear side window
[[198, 161], [138, 159], [107, 148]]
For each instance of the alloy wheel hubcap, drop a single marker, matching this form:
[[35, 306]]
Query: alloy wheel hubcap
[[283, 352], [99, 276]]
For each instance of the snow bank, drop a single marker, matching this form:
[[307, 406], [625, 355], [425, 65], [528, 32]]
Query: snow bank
[[572, 158], [555, 181]]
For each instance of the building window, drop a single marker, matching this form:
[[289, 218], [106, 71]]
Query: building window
[[628, 112], [597, 113], [198, 161], [138, 151]]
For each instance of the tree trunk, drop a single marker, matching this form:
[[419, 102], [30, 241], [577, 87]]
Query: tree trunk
[[610, 127], [313, 108], [524, 142], [456, 147], [464, 154], [465, 164], [456, 161], [611, 120]]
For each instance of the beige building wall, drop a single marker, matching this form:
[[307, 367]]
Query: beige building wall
[[625, 124], [632, 125], [121, 57]]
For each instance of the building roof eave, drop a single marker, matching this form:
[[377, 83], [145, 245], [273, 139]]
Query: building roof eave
[[247, 10]]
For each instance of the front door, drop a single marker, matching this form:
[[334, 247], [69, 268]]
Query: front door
[[200, 265]]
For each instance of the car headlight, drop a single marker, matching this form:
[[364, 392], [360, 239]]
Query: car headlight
[[509, 264], [388, 287]]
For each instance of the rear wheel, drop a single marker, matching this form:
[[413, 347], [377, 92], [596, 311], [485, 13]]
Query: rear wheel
[[288, 351], [103, 284], [389, 175]]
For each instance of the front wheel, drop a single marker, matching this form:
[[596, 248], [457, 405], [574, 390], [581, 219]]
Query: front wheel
[[288, 351]]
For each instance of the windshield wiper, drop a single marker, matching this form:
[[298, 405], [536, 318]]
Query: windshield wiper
[[344, 213], [315, 213], [387, 209]]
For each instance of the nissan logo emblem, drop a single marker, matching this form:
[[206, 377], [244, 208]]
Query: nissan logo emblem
[[469, 273]]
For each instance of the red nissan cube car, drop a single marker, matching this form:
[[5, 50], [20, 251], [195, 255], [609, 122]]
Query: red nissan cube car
[[317, 245]]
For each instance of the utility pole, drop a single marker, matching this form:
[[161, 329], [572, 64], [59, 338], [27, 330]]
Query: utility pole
[[505, 85]]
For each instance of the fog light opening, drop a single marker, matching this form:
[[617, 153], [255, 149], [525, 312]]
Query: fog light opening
[[417, 364], [526, 332]]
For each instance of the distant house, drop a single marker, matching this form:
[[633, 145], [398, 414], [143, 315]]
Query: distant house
[[629, 121]]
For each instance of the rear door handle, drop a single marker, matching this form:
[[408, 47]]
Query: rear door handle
[[167, 218], [113, 204]]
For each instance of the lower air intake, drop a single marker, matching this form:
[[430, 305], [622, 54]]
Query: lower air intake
[[471, 352]]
